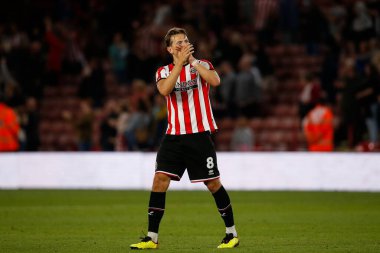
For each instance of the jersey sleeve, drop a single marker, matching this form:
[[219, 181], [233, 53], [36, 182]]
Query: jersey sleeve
[[161, 73], [208, 65]]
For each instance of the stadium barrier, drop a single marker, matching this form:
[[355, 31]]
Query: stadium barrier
[[240, 171]]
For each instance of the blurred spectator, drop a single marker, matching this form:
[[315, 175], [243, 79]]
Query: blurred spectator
[[264, 10], [122, 124], [108, 129], [83, 125], [261, 60], [92, 86], [141, 92], [363, 26], [352, 123], [139, 66], [289, 20], [30, 119], [108, 126], [12, 93], [374, 9], [32, 76], [329, 70], [247, 91], [310, 93], [56, 47], [313, 26], [9, 127], [118, 53], [318, 127], [266, 19], [6, 78], [137, 131], [230, 46], [160, 121], [73, 59], [268, 81], [368, 100], [246, 10], [242, 136], [224, 95], [336, 16]]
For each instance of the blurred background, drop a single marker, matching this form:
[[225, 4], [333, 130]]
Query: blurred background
[[80, 74]]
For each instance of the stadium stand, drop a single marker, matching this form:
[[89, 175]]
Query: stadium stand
[[76, 40]]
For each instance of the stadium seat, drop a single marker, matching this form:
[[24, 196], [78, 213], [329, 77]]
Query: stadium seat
[[226, 124], [271, 123], [256, 124], [223, 140], [290, 123], [68, 90]]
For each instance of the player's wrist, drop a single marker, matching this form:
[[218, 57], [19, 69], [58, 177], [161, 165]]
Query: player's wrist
[[195, 62]]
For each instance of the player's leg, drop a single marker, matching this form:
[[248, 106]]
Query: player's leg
[[156, 207], [202, 166], [156, 211], [223, 203], [169, 166]]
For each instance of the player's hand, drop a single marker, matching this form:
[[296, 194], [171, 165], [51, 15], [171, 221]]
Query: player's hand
[[184, 53]]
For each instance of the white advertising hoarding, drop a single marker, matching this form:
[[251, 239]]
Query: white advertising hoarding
[[239, 171]]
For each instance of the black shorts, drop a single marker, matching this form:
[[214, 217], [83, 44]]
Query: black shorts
[[194, 152]]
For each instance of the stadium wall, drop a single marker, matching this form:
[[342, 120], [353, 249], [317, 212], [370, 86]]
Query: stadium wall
[[240, 171]]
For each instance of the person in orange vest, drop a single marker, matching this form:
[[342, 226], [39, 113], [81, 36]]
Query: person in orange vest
[[9, 128], [318, 128]]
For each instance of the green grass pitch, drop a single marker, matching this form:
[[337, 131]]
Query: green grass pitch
[[109, 221]]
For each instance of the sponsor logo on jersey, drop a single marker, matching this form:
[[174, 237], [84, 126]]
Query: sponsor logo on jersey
[[186, 85]]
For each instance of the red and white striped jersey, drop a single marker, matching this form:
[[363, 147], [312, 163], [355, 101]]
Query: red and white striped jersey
[[189, 107]]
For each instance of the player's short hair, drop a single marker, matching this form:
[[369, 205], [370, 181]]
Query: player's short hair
[[173, 31]]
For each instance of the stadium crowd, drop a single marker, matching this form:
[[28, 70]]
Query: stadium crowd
[[101, 56]]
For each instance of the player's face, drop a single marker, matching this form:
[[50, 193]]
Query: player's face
[[178, 41]]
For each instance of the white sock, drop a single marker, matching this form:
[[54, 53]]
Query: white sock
[[154, 236], [231, 230]]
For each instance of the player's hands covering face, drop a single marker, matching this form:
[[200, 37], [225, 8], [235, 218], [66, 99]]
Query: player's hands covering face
[[184, 52]]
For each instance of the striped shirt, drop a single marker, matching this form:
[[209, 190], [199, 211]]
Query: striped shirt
[[189, 107]]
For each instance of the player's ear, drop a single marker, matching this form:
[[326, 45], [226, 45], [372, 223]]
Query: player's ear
[[170, 50]]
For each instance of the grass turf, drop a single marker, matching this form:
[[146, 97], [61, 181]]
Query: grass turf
[[108, 221]]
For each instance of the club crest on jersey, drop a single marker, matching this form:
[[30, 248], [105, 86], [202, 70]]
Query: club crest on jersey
[[193, 70]]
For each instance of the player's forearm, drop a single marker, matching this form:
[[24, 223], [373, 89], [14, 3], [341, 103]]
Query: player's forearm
[[165, 86], [210, 76]]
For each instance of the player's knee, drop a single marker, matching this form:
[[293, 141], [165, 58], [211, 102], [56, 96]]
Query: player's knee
[[213, 185], [161, 182]]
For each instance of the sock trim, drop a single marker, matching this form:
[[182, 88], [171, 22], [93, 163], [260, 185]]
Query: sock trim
[[231, 230], [224, 209], [156, 209], [153, 236]]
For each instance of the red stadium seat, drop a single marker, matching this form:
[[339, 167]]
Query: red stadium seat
[[223, 140], [226, 124]]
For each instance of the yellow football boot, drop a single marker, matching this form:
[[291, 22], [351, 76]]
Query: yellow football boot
[[229, 242], [146, 243]]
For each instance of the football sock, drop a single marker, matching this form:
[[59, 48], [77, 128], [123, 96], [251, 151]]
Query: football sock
[[156, 211], [231, 230], [154, 236], [223, 203]]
